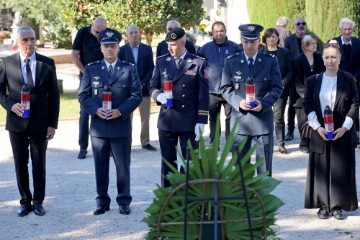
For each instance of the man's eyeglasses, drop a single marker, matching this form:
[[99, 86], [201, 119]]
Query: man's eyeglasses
[[300, 23], [333, 45]]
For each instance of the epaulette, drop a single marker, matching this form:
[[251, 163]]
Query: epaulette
[[233, 55], [197, 56], [92, 63], [165, 55], [128, 63]]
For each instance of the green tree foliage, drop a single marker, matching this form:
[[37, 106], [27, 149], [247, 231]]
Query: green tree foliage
[[322, 16], [61, 17]]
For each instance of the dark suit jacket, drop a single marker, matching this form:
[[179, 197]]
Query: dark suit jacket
[[144, 65], [44, 102], [190, 93], [126, 97], [284, 59], [346, 104], [268, 89], [302, 71], [353, 66]]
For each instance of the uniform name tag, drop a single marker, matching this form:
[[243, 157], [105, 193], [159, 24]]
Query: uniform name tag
[[190, 72]]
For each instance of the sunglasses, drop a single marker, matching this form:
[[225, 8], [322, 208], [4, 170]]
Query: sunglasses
[[169, 29], [333, 45], [300, 23]]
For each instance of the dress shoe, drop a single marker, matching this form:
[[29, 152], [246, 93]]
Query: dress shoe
[[101, 210], [289, 136], [124, 209], [304, 149], [39, 210], [82, 154], [337, 213], [323, 213], [24, 210], [282, 149], [149, 147]]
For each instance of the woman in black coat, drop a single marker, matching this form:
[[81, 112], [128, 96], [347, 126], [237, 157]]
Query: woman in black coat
[[271, 39], [330, 183], [305, 65]]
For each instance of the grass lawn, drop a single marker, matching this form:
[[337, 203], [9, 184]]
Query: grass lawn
[[69, 108]]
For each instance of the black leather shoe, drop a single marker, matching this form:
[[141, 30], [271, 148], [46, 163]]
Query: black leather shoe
[[149, 147], [101, 210], [337, 213], [24, 210], [304, 149], [323, 213], [282, 149], [124, 209], [289, 136], [82, 154], [39, 210]]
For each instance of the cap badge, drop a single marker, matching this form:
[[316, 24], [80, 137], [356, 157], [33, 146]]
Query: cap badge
[[109, 34], [173, 36], [251, 28]]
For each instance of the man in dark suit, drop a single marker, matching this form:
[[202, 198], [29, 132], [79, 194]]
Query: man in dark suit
[[350, 53], [293, 44], [253, 123], [110, 129], [349, 48], [141, 55], [162, 47], [185, 119], [85, 50], [39, 74]]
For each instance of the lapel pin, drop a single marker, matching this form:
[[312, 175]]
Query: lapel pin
[[102, 67], [242, 61], [118, 68], [168, 59], [259, 60]]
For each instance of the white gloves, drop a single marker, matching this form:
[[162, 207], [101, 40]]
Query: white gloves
[[161, 98], [199, 130]]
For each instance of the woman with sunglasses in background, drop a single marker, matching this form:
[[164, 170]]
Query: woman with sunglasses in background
[[305, 65], [330, 183], [271, 39]]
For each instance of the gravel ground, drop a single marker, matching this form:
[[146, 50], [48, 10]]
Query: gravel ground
[[70, 194]]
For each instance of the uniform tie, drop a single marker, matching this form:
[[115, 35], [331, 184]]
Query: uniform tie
[[29, 77], [251, 63], [111, 70], [178, 62]]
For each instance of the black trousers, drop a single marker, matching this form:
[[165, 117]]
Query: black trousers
[[293, 95], [168, 143], [121, 149], [215, 103], [279, 112], [301, 119], [21, 143]]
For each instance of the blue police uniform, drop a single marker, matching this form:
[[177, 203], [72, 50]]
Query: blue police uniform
[[111, 135], [253, 125], [190, 104]]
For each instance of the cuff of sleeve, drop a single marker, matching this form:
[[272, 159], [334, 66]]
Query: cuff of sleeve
[[313, 122], [348, 123]]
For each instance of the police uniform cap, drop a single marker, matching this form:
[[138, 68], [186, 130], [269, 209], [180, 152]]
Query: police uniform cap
[[109, 36], [250, 31], [174, 34]]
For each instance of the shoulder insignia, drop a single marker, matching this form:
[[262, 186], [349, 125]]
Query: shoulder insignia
[[128, 63], [233, 55], [162, 56], [93, 63]]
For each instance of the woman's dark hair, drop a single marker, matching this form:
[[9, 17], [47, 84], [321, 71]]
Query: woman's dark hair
[[268, 33]]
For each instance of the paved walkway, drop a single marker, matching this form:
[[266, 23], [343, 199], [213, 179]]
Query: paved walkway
[[70, 196]]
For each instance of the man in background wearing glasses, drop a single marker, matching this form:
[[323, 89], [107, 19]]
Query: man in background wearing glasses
[[162, 47], [86, 49]]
